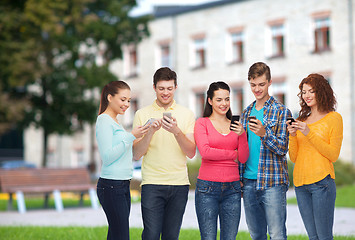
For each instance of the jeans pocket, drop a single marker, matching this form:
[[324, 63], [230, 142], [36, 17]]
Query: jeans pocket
[[203, 189], [324, 182]]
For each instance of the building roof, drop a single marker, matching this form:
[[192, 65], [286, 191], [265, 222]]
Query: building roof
[[161, 11]]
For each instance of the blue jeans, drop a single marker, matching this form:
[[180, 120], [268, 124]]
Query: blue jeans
[[218, 199], [316, 204], [163, 207], [265, 210], [115, 198]]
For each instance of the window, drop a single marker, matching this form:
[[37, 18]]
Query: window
[[130, 62], [236, 51], [237, 100], [200, 103], [278, 89], [198, 52], [165, 55], [277, 41], [322, 34]]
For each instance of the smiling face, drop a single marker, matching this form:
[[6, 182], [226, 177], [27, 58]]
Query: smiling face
[[308, 95], [165, 90], [220, 102], [119, 102], [260, 88]]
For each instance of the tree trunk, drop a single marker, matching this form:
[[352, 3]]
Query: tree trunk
[[92, 163], [44, 151]]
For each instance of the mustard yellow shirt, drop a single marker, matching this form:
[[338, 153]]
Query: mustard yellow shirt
[[165, 163], [315, 153]]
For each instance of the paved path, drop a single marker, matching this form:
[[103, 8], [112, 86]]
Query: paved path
[[344, 221]]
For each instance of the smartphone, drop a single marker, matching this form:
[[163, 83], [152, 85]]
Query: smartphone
[[251, 118], [150, 121], [168, 114], [235, 118], [291, 119]]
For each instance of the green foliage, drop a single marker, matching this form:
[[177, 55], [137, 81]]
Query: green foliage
[[344, 173], [193, 168], [43, 67]]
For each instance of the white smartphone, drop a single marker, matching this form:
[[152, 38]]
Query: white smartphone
[[168, 114], [150, 121]]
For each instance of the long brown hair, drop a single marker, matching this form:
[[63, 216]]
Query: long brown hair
[[325, 97], [110, 89]]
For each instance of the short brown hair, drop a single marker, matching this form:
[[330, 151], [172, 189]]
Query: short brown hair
[[258, 69], [164, 74]]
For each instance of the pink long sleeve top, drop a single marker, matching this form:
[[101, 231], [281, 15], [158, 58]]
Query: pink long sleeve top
[[219, 153]]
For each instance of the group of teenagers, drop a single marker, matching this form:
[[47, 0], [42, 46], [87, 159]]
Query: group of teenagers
[[244, 158]]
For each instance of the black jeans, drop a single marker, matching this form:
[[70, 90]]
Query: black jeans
[[115, 198]]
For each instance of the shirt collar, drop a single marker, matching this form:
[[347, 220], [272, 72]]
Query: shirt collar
[[157, 107]]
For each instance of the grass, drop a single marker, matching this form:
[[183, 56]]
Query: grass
[[64, 233], [345, 197]]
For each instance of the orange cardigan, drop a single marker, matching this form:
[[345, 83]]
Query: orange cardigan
[[315, 153]]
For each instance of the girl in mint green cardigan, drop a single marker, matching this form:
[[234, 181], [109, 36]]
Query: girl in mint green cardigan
[[115, 148]]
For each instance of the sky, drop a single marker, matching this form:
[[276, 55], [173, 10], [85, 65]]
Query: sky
[[146, 6]]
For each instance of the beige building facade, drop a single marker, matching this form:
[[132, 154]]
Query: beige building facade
[[219, 41]]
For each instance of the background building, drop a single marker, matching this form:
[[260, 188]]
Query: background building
[[220, 41]]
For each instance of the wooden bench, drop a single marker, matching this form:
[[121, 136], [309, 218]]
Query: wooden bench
[[47, 181]]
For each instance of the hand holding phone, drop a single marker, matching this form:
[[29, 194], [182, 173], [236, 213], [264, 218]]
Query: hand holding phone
[[167, 114], [251, 119], [149, 122], [235, 118], [291, 119]]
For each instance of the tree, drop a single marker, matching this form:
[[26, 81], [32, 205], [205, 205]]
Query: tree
[[42, 66]]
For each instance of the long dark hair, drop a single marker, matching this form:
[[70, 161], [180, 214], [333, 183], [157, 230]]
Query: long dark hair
[[210, 93], [110, 89], [325, 97]]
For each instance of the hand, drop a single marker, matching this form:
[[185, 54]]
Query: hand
[[170, 125], [291, 127], [139, 131], [156, 125], [302, 127], [237, 127], [257, 127]]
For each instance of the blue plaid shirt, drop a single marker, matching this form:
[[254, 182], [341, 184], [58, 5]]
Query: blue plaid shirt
[[272, 168]]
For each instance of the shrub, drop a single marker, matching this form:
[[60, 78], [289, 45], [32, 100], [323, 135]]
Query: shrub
[[193, 167]]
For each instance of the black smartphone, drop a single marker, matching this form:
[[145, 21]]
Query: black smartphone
[[251, 118], [290, 119], [235, 118]]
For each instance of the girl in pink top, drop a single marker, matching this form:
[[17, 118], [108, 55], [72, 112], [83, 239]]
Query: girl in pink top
[[218, 190]]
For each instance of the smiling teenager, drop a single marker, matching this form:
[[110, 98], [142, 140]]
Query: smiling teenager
[[218, 190], [265, 174], [115, 148], [165, 183], [315, 143]]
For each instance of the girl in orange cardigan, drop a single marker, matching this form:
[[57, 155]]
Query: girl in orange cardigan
[[315, 142]]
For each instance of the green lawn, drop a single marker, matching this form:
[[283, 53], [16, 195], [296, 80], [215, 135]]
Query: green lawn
[[87, 233], [345, 197]]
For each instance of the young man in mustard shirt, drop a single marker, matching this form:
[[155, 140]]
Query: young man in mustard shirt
[[165, 183]]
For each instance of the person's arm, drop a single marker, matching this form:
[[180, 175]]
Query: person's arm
[[141, 145], [293, 148], [243, 148], [331, 149], [205, 148], [185, 141], [104, 136]]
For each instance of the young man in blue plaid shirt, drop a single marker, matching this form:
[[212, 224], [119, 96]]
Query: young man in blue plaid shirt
[[265, 175]]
